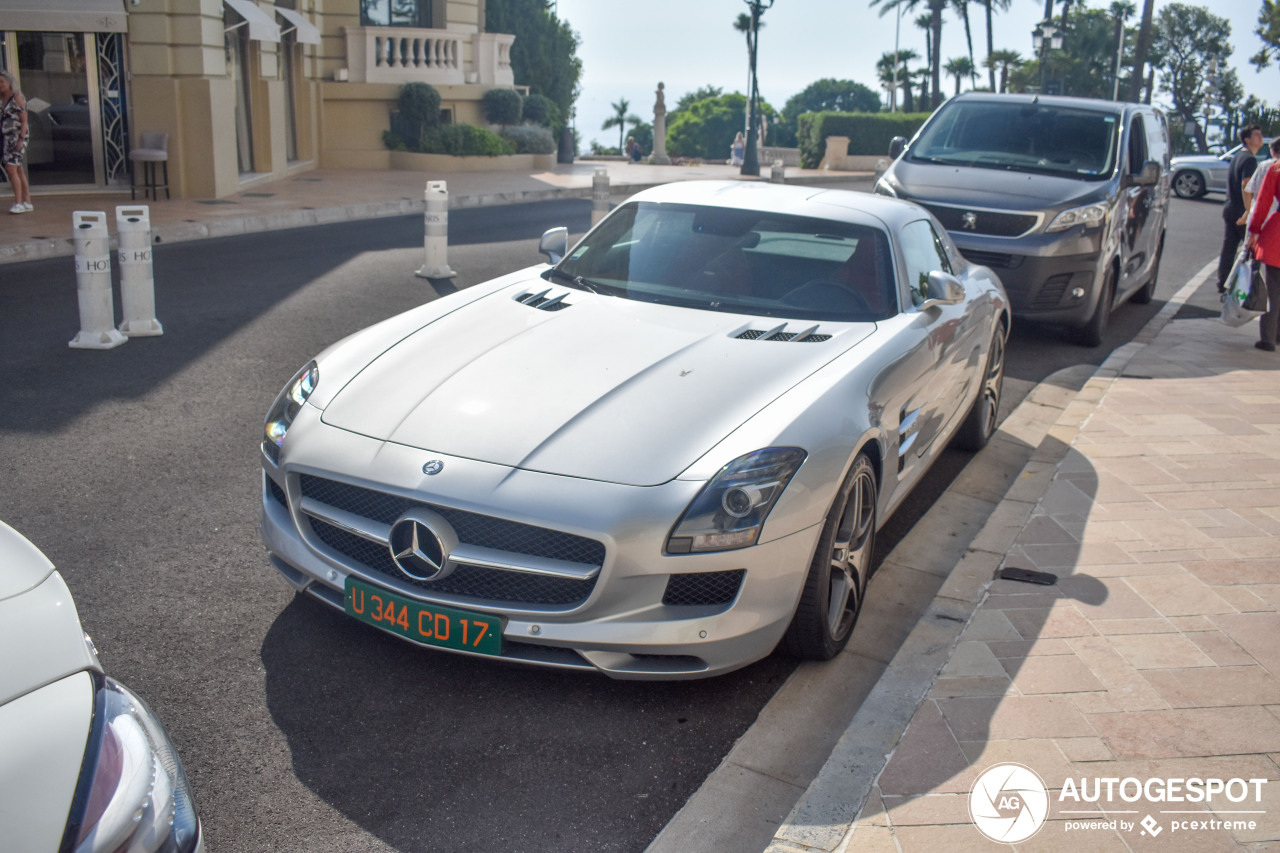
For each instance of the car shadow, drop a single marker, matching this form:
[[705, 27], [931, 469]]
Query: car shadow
[[428, 750]]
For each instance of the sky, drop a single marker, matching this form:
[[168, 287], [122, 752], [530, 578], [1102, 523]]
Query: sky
[[628, 46]]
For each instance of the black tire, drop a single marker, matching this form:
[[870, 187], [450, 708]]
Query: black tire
[[839, 569], [980, 423], [1092, 332], [1147, 292], [1188, 184]]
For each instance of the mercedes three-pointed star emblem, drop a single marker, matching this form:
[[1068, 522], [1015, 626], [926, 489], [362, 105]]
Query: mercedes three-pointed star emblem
[[420, 543]]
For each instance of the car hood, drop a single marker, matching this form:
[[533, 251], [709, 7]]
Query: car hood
[[994, 188], [1198, 159], [602, 388], [41, 639]]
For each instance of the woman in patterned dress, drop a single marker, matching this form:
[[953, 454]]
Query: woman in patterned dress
[[13, 133]]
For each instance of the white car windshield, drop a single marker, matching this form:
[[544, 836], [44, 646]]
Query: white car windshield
[[1022, 137], [734, 260]]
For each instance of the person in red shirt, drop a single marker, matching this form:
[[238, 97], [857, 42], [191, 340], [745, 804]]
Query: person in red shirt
[[1264, 240]]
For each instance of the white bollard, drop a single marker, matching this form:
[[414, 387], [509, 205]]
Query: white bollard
[[93, 282], [599, 195], [435, 239], [778, 172], [137, 279]]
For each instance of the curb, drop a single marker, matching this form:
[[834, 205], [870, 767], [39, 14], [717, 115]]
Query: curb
[[232, 226], [827, 813]]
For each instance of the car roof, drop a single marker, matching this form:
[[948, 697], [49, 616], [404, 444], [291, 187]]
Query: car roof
[[1095, 104], [856, 208]]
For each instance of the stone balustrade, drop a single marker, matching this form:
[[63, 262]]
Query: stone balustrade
[[438, 57]]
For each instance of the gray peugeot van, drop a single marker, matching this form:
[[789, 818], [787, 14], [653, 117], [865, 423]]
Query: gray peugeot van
[[1064, 198]]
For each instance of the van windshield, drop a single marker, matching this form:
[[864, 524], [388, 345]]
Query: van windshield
[[1022, 137]]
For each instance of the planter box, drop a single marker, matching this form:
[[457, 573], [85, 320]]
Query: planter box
[[409, 161]]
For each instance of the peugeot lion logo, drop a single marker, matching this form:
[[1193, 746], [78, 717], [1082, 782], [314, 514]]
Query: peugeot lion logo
[[420, 543], [969, 220]]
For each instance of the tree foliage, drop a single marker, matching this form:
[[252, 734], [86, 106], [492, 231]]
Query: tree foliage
[[706, 128], [544, 56], [1187, 42], [502, 107], [825, 95]]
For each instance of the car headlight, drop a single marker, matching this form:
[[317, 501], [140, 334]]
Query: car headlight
[[730, 510], [133, 794], [1090, 216], [286, 407]]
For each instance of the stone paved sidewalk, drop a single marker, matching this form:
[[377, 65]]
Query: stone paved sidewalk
[[1157, 652]]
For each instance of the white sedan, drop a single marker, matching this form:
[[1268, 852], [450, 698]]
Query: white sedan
[[85, 766], [658, 457]]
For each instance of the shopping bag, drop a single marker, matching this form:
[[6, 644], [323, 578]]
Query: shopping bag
[[1240, 284], [1257, 298]]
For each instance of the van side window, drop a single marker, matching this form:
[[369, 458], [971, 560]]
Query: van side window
[[1158, 141], [923, 252], [1137, 145]]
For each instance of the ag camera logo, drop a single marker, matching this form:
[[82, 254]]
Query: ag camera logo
[[1008, 803]]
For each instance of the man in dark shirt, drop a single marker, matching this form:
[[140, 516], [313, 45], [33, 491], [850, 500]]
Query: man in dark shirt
[[1243, 165]]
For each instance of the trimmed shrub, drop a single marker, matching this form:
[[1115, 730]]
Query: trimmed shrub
[[502, 107], [869, 133], [464, 140], [541, 110], [419, 105], [530, 139]]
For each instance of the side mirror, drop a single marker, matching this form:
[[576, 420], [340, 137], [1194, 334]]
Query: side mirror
[[896, 145], [942, 289], [1149, 176], [554, 244]]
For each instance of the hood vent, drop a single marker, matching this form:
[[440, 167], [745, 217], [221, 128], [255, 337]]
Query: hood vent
[[808, 336], [542, 302]]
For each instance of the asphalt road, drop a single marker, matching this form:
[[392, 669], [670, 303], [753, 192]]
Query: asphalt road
[[136, 471]]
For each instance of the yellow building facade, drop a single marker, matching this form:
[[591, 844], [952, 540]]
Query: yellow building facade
[[246, 90]]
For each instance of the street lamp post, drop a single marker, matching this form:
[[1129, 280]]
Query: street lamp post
[[751, 157], [1046, 35]]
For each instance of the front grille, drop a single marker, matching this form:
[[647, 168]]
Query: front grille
[[703, 588], [756, 334], [991, 222], [472, 528], [475, 582], [995, 260], [491, 585]]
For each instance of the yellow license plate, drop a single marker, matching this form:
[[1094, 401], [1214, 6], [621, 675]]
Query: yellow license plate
[[430, 625]]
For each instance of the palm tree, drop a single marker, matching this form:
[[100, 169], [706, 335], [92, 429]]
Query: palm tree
[[1005, 61], [934, 28], [962, 9], [991, 6], [889, 75], [620, 119], [1121, 10], [1140, 52], [743, 25], [959, 68]]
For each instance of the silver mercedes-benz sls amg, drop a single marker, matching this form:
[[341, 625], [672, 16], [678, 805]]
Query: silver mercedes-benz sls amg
[[659, 456]]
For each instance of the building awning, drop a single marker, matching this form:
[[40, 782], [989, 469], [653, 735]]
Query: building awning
[[261, 27], [64, 16], [307, 32]]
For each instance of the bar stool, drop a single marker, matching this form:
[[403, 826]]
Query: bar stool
[[154, 149]]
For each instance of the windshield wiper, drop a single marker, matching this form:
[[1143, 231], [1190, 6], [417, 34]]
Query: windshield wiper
[[573, 280]]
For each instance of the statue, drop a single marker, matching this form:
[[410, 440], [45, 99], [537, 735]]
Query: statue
[[659, 156]]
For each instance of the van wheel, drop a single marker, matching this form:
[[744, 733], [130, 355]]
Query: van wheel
[[838, 573], [1148, 290], [1188, 184], [1092, 332]]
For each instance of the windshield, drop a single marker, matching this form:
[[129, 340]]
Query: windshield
[[1021, 137], [739, 261]]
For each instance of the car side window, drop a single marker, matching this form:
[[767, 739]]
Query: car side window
[[1158, 141], [923, 252], [1137, 145]]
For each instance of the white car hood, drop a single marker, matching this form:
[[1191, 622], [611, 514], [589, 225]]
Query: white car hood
[[41, 640], [606, 389]]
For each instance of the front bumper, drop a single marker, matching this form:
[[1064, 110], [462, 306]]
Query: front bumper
[[1048, 277], [643, 614]]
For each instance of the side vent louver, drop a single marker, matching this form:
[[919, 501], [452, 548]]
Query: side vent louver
[[543, 302], [778, 333]]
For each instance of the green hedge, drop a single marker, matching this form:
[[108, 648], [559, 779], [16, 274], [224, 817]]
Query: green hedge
[[464, 140], [869, 133]]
